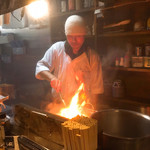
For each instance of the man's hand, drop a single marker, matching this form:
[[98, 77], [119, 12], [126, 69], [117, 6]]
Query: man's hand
[[56, 84]]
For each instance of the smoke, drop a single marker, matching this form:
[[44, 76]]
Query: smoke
[[52, 107], [109, 59]]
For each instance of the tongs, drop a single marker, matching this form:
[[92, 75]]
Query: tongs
[[62, 99], [88, 107]]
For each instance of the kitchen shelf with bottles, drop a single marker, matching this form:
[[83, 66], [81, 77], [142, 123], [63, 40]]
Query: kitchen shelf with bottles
[[124, 34], [122, 4], [121, 25], [131, 69], [125, 25]]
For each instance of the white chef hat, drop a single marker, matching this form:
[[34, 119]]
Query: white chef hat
[[75, 25]]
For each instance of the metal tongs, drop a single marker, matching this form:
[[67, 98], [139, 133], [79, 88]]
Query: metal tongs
[[88, 107], [62, 99]]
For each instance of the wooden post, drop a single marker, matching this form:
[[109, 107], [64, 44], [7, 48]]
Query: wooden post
[[80, 133]]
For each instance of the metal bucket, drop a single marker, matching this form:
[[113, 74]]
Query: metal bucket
[[123, 130]]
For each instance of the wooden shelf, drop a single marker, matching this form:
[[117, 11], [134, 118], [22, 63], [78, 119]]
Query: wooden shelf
[[123, 4], [60, 14], [128, 69], [123, 34]]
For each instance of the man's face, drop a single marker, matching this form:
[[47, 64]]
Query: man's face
[[75, 41]]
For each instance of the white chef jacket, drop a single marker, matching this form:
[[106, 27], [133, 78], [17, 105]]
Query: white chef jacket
[[65, 69]]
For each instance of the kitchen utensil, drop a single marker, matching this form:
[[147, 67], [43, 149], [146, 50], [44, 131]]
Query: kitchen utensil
[[123, 130], [62, 99]]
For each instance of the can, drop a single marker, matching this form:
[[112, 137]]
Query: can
[[71, 5], [138, 51]]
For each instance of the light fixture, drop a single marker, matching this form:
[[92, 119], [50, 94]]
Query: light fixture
[[38, 9]]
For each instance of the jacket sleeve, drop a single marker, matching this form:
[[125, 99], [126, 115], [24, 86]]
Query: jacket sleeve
[[96, 75], [46, 63]]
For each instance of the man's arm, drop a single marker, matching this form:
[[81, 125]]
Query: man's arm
[[54, 81], [45, 75]]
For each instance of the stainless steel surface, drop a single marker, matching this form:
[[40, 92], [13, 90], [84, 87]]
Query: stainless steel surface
[[123, 130]]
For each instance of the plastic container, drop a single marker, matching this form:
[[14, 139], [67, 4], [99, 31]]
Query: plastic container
[[118, 89], [137, 61], [2, 129]]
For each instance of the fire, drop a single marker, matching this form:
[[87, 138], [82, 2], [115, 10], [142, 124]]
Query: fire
[[75, 108], [79, 106]]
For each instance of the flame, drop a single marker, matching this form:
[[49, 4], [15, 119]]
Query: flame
[[75, 108], [79, 106]]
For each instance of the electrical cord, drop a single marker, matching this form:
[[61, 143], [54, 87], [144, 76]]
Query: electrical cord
[[22, 14]]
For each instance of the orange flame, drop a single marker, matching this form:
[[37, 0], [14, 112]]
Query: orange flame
[[74, 109]]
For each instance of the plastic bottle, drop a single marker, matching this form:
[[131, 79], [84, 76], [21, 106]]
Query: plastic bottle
[[127, 60], [117, 62], [121, 62]]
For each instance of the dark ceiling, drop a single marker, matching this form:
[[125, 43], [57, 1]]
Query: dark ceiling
[[10, 5]]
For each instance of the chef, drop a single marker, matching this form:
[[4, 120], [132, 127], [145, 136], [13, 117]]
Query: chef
[[67, 64]]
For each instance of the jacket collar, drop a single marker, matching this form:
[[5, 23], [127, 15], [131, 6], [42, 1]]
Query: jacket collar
[[69, 51]]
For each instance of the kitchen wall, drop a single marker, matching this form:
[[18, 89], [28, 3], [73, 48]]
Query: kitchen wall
[[20, 71]]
